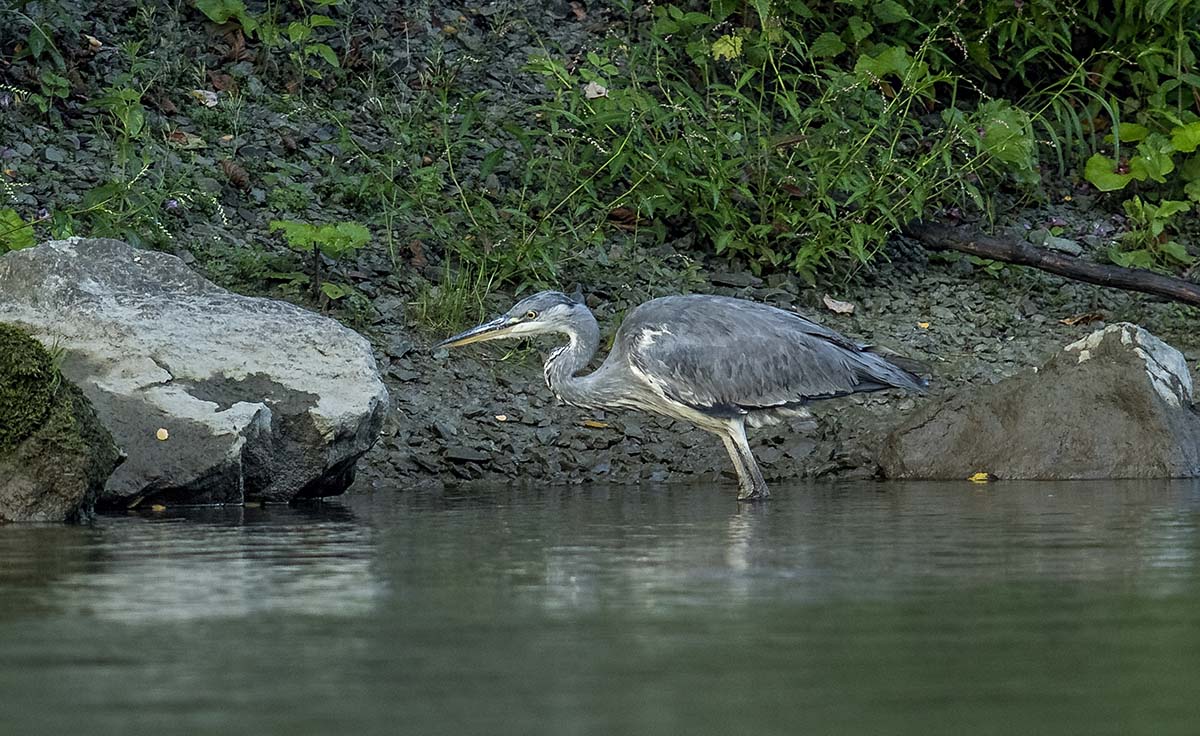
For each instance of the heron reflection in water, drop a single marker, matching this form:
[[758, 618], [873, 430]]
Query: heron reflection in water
[[717, 362]]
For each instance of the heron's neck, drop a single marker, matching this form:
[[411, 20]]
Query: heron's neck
[[566, 361]]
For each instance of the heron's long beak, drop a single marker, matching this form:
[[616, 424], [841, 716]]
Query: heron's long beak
[[495, 329]]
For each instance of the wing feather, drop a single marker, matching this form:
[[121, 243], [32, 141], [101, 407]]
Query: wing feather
[[730, 356]]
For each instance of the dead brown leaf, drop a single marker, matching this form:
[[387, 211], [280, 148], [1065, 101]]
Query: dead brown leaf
[[237, 47], [237, 175], [837, 307], [223, 82], [578, 10], [624, 218], [164, 105], [187, 140], [417, 249], [1083, 318]]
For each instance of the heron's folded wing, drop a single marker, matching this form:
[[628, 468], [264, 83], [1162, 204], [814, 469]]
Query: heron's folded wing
[[724, 362]]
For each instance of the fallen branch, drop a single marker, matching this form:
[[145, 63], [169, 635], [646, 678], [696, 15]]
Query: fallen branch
[[944, 237]]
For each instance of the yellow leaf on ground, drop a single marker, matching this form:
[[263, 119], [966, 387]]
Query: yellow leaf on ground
[[981, 478], [595, 424], [501, 417], [923, 325], [158, 507]]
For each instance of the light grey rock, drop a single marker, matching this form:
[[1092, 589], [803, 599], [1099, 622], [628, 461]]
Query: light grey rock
[[1116, 404], [259, 399], [1045, 239]]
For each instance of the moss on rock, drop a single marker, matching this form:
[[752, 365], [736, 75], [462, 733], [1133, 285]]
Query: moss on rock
[[27, 383], [55, 455]]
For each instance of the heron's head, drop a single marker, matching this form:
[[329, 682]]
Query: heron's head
[[544, 312]]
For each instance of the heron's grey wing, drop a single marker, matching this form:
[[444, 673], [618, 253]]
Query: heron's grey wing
[[732, 356]]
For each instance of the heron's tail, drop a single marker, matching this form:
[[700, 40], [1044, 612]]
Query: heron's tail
[[912, 374]]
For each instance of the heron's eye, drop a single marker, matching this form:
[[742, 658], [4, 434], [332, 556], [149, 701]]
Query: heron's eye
[[531, 314]]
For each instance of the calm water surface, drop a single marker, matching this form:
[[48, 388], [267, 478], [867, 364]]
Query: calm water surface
[[852, 609]]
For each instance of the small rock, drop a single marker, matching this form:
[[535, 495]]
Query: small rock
[[1046, 239], [444, 429], [460, 454]]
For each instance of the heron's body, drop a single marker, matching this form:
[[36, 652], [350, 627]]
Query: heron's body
[[717, 362]]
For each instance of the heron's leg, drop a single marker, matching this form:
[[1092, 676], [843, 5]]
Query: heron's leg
[[751, 486]]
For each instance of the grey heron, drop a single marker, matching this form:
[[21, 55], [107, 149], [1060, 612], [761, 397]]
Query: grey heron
[[718, 362]]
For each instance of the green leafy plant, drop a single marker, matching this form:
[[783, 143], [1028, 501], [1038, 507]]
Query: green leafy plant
[[332, 241], [226, 11], [1147, 244], [1152, 160], [15, 233], [771, 147], [299, 37]]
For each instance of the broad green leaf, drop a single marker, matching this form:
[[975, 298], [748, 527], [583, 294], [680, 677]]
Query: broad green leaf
[[1186, 138], [220, 11], [1131, 132], [1007, 134], [722, 9], [299, 235], [1151, 163], [891, 60], [321, 21], [827, 44], [297, 31], [1170, 207], [1177, 252], [134, 120], [664, 27], [890, 11], [1190, 169], [102, 194], [1140, 258], [1101, 171], [326, 53], [1192, 190], [727, 47], [356, 234], [335, 291], [859, 28], [981, 54], [37, 42], [15, 233], [798, 7]]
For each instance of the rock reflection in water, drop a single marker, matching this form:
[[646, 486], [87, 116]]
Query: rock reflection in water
[[224, 563]]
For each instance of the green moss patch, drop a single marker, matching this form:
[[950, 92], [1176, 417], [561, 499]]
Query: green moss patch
[[27, 383]]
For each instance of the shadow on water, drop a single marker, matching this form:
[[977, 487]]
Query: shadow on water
[[856, 608]]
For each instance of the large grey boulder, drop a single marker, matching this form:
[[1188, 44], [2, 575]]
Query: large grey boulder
[[1116, 404], [54, 454], [214, 397]]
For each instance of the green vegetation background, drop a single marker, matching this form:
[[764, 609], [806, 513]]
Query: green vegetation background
[[315, 148]]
